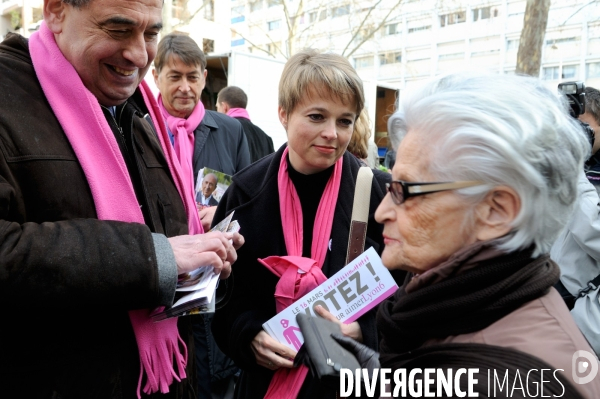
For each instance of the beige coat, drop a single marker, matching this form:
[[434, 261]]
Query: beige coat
[[543, 328]]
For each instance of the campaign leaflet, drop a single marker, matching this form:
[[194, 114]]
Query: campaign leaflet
[[223, 181], [195, 292], [348, 294]]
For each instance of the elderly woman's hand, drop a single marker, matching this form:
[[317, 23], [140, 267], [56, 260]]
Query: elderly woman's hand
[[351, 330], [271, 354]]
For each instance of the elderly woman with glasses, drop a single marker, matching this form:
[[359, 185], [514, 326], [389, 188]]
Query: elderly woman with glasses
[[485, 178]]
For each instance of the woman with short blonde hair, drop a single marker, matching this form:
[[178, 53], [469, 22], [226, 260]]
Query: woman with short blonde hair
[[296, 202]]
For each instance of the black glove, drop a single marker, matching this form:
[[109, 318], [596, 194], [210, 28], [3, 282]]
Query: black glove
[[367, 357], [302, 358]]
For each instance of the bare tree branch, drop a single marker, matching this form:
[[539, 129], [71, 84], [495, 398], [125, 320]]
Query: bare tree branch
[[370, 35], [294, 35], [192, 16], [357, 31], [254, 45], [309, 25]]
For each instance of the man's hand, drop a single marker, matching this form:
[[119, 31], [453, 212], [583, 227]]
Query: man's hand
[[238, 241], [206, 216], [271, 354], [215, 248]]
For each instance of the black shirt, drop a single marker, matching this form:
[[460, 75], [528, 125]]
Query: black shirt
[[310, 189]]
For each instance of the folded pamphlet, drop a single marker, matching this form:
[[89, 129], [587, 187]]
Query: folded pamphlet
[[195, 291], [351, 292]]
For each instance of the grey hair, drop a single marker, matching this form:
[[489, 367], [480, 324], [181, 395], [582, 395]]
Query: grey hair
[[502, 130]]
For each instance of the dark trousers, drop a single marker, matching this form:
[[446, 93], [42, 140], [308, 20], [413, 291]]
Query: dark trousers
[[216, 372]]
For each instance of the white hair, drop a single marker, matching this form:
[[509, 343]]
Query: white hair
[[503, 130]]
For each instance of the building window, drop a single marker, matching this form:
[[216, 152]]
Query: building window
[[273, 3], [273, 25], [208, 46], [550, 73], [273, 47], [484, 52], [237, 14], [238, 42], [315, 16], [593, 70], [419, 28], [451, 56], [484, 13], [255, 6], [453, 18], [390, 58], [363, 62], [392, 29], [209, 10], [340, 11], [570, 71], [551, 42], [512, 44]]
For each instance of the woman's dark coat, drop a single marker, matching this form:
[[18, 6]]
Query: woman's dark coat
[[254, 197]]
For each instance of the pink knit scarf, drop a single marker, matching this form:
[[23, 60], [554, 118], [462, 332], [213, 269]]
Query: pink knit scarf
[[238, 113], [183, 132], [298, 275], [96, 148]]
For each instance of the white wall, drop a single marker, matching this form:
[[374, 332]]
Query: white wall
[[259, 77]]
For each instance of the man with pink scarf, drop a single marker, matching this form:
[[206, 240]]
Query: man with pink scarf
[[201, 138], [232, 101], [96, 218]]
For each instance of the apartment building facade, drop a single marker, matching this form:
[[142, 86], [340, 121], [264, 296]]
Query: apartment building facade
[[420, 39]]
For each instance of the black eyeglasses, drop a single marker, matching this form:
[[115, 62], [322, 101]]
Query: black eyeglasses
[[401, 190]]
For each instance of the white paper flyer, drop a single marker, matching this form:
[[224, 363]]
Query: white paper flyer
[[348, 294]]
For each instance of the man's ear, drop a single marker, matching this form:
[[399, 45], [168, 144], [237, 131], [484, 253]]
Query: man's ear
[[496, 213], [282, 117], [54, 14], [225, 106]]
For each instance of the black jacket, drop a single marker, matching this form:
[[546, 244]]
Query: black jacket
[[259, 142], [220, 144], [254, 197], [67, 279]]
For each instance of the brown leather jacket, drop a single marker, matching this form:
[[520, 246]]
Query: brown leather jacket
[[66, 278]]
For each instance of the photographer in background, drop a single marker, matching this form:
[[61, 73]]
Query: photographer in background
[[591, 116], [577, 249]]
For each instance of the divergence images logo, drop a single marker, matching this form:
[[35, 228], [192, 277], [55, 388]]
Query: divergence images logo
[[581, 367]]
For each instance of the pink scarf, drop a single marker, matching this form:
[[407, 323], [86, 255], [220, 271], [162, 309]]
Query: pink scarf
[[96, 148], [238, 113], [292, 285], [183, 131]]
